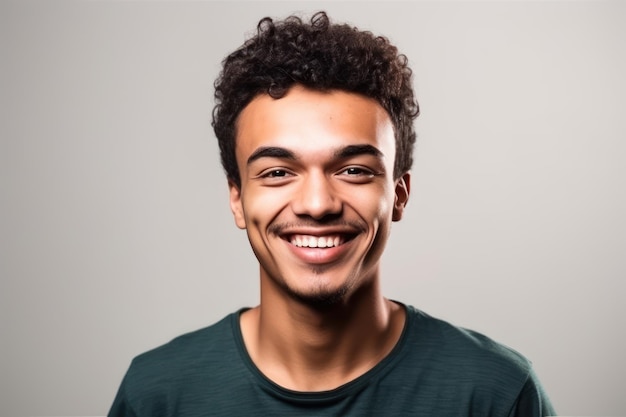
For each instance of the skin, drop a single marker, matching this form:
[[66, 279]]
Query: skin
[[318, 164]]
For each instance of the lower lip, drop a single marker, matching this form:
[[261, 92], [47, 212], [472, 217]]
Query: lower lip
[[319, 256]]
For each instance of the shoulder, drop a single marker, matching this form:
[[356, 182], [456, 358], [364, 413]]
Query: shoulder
[[455, 371], [204, 342], [458, 344], [182, 363], [471, 359]]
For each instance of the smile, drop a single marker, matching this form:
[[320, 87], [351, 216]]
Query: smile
[[309, 241]]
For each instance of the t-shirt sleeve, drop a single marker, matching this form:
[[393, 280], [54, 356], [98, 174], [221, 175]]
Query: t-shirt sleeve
[[532, 400], [121, 406]]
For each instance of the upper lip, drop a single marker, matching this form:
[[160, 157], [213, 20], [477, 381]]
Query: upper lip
[[320, 231]]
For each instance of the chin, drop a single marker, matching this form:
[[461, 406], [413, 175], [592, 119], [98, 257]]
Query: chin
[[320, 298]]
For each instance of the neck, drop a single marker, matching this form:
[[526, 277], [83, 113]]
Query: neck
[[312, 348]]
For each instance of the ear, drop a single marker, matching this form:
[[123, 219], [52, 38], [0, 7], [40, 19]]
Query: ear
[[403, 188], [235, 205]]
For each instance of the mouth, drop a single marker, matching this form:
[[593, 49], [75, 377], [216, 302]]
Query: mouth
[[311, 241], [320, 247]]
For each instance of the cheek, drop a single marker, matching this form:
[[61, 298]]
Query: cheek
[[373, 204], [262, 205]]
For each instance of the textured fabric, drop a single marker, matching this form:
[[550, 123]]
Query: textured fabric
[[436, 369]]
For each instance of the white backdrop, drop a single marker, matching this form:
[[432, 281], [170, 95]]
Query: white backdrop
[[115, 231]]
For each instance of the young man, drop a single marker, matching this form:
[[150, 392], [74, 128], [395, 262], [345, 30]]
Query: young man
[[315, 127]]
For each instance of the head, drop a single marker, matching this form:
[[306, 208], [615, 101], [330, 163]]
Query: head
[[315, 127], [320, 56]]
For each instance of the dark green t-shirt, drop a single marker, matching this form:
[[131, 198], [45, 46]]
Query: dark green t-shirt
[[435, 370]]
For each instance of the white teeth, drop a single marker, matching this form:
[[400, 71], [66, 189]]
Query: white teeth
[[308, 241]]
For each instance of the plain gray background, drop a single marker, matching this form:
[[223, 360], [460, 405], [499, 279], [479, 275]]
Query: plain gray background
[[116, 234]]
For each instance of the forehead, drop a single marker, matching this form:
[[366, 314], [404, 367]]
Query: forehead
[[310, 121]]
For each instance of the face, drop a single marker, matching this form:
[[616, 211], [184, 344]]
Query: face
[[317, 193]]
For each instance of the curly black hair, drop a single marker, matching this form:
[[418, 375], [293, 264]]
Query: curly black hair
[[319, 55]]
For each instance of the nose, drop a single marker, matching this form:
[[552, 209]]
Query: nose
[[316, 197]]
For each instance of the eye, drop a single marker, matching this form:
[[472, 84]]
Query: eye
[[275, 176], [275, 173], [357, 172]]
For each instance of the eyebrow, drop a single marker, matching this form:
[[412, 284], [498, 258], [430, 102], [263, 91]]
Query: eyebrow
[[342, 153], [356, 150], [271, 152]]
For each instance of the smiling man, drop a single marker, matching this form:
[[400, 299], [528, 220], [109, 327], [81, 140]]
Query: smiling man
[[315, 127]]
